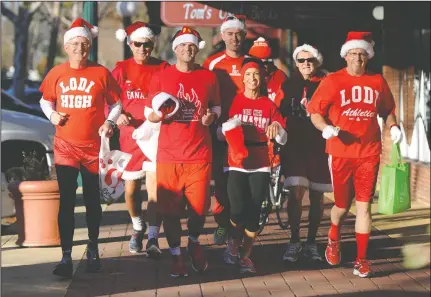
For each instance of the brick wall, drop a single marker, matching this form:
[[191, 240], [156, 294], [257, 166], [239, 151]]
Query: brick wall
[[419, 172]]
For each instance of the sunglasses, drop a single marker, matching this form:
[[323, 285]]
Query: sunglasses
[[310, 60], [147, 44]]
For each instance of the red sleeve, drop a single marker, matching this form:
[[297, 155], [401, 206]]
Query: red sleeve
[[322, 99], [276, 116], [154, 88], [215, 99], [47, 88], [386, 105], [117, 73], [113, 90], [206, 63]]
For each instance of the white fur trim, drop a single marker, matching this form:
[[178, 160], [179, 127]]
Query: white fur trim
[[362, 44], [293, 181], [147, 111], [202, 44], [324, 188], [133, 175], [217, 110], [121, 34], [149, 166], [232, 24], [161, 98], [308, 48], [230, 125], [77, 32], [260, 39], [185, 38], [94, 31], [281, 137], [263, 169], [143, 32]]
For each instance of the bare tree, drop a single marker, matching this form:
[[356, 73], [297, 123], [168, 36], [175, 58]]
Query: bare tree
[[54, 9], [21, 22]]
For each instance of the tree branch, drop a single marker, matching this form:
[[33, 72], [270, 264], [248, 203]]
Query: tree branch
[[8, 13], [50, 11], [65, 21], [104, 11], [34, 7]]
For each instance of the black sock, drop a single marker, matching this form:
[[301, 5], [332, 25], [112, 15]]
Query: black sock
[[67, 255]]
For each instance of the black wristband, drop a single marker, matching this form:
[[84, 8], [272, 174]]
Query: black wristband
[[112, 123]]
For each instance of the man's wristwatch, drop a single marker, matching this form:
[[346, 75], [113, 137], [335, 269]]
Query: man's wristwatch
[[112, 123]]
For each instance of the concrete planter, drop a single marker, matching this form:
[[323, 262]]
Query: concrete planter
[[36, 205]]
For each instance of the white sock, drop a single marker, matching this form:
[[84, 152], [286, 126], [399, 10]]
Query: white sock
[[153, 232], [175, 251], [193, 239], [137, 223]]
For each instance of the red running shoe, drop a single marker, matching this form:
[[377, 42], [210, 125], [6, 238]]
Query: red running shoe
[[332, 252], [362, 268], [199, 262], [178, 268]]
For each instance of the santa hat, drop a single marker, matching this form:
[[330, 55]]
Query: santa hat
[[163, 99], [312, 50], [134, 31], [187, 34], [362, 40], [234, 134], [260, 49], [81, 28], [233, 22]]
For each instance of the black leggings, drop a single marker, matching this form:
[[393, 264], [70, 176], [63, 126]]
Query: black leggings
[[67, 182], [246, 193]]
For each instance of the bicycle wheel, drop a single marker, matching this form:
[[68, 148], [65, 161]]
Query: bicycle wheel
[[281, 210], [264, 216]]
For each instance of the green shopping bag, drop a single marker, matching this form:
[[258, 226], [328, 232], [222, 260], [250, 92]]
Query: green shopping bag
[[394, 195]]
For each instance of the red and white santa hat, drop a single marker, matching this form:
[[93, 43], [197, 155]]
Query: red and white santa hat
[[260, 49], [362, 40], [233, 22], [187, 34], [81, 28], [134, 31], [311, 49]]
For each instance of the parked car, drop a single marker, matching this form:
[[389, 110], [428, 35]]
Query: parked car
[[23, 132], [31, 97], [10, 102]]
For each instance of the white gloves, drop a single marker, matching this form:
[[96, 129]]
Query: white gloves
[[396, 135], [330, 131]]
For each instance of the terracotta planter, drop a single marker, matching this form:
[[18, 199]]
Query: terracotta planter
[[37, 204]]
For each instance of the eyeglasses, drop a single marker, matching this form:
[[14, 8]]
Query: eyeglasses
[[310, 60], [147, 44], [77, 44]]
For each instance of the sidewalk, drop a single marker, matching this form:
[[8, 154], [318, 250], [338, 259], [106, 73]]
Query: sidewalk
[[27, 271]]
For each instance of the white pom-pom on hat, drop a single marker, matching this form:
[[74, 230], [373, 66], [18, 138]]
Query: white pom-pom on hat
[[121, 34]]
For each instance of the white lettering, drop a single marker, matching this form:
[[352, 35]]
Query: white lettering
[[86, 101], [82, 83], [63, 88], [73, 83], [64, 100], [187, 6], [78, 101], [356, 94], [71, 98], [369, 98], [87, 90], [343, 98]]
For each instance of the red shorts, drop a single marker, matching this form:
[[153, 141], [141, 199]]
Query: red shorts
[[68, 154], [128, 145], [354, 178], [178, 180]]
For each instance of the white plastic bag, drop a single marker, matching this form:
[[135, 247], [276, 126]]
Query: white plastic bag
[[111, 168], [147, 138]]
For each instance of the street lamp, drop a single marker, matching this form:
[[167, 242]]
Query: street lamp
[[126, 10]]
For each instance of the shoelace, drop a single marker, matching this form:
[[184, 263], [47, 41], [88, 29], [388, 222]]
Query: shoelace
[[312, 248], [292, 247]]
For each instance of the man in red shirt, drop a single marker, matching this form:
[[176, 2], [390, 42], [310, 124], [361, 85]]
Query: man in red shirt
[[134, 76], [184, 147], [227, 66], [73, 98], [345, 108]]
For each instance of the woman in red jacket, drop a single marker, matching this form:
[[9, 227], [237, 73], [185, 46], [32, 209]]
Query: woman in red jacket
[[254, 119]]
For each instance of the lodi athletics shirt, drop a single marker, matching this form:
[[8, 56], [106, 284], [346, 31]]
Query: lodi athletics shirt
[[228, 71], [353, 104], [80, 93], [255, 115], [183, 138]]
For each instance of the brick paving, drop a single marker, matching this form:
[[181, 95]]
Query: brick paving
[[126, 275]]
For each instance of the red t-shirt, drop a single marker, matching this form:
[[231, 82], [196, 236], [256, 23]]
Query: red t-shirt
[[82, 94], [183, 138], [353, 103], [255, 115], [274, 82], [228, 71], [134, 80]]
